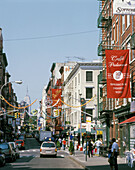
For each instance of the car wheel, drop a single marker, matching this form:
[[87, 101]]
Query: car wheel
[[41, 156]]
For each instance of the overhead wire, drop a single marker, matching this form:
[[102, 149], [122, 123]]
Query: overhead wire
[[50, 36]]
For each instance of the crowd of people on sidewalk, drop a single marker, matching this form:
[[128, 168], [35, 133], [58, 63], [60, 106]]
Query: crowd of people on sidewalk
[[113, 151]]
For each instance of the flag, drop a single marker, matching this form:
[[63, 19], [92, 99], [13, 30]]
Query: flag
[[118, 75]]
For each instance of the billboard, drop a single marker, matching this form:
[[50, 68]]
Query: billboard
[[124, 7], [118, 75]]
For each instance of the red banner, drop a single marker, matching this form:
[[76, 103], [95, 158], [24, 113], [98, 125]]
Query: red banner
[[118, 75], [56, 94]]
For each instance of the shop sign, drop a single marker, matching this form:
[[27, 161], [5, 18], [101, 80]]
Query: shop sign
[[124, 7], [10, 121]]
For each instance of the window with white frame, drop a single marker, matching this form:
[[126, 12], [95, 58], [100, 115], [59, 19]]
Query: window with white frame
[[75, 81], [75, 98], [117, 102], [124, 101], [89, 93], [90, 113], [114, 32], [117, 32], [89, 75], [79, 78], [129, 47], [128, 21], [75, 118], [123, 24]]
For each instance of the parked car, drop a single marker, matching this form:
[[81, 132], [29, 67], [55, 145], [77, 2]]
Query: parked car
[[2, 158], [48, 148], [7, 149], [20, 144], [15, 148]]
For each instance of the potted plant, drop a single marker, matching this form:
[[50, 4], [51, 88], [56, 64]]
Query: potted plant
[[71, 148], [58, 145]]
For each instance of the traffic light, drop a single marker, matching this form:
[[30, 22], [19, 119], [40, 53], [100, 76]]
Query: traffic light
[[16, 115]]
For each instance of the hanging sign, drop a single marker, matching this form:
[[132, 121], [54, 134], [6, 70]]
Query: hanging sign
[[124, 7], [118, 75], [56, 94]]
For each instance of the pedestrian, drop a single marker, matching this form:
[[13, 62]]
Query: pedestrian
[[64, 144], [98, 143], [90, 148], [84, 147], [60, 142], [110, 159], [114, 150]]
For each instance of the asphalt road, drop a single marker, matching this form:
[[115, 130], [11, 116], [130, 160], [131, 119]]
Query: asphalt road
[[30, 160]]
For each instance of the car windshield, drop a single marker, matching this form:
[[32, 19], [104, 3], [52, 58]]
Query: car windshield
[[19, 141], [48, 145], [4, 146]]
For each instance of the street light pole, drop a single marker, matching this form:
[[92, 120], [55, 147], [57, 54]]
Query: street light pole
[[17, 82]]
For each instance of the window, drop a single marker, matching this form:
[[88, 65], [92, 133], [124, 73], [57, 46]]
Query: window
[[75, 118], [79, 78], [75, 81], [101, 92], [90, 112], [128, 21], [114, 32], [89, 76], [129, 47], [117, 32], [89, 93], [123, 24]]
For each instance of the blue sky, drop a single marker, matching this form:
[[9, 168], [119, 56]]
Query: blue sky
[[38, 33]]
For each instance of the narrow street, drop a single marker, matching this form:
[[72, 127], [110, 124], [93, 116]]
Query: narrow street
[[30, 159]]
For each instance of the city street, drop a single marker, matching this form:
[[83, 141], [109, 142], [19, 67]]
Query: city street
[[30, 159]]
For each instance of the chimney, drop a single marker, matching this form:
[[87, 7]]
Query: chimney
[[1, 40]]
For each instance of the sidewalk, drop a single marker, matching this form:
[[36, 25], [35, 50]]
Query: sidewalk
[[95, 162]]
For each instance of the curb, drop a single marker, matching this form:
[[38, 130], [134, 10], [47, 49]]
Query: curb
[[78, 162]]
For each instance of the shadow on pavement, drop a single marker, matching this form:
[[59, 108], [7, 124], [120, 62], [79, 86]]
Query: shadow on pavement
[[107, 167], [28, 168]]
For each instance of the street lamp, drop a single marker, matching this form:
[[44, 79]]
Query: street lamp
[[17, 82]]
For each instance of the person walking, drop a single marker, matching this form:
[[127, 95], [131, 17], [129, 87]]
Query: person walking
[[98, 143], [110, 158], [90, 148], [115, 150], [64, 144]]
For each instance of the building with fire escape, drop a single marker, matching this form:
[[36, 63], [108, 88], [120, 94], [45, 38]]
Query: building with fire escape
[[117, 32]]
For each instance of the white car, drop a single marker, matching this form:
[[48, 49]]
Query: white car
[[48, 148]]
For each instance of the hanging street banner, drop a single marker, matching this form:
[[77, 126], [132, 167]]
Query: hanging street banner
[[83, 109], [124, 7], [118, 75], [56, 94]]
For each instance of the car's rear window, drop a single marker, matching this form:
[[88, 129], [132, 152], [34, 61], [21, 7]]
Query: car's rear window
[[4, 146], [48, 145], [19, 141]]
